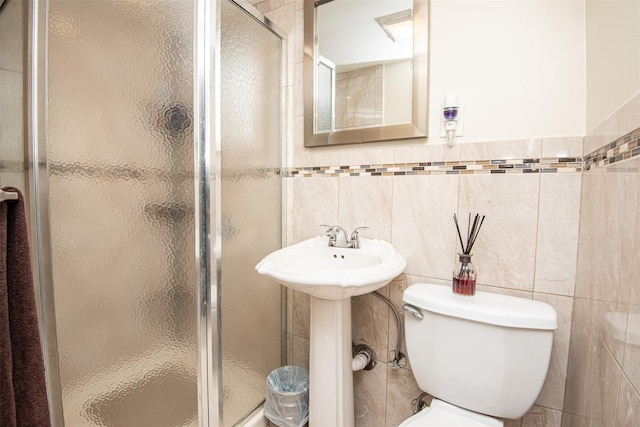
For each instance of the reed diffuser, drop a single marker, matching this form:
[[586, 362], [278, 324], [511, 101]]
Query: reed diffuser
[[464, 273]]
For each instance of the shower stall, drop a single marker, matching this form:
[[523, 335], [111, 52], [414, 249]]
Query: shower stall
[[153, 146]]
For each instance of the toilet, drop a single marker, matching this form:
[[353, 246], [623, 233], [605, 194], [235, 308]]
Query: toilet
[[482, 358]]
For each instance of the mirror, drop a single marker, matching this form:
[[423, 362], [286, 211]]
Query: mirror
[[363, 81]]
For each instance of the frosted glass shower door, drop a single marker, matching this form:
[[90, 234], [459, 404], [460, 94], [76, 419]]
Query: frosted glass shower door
[[121, 209], [251, 206]]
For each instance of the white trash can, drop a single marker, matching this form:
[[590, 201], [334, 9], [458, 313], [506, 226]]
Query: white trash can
[[287, 402]]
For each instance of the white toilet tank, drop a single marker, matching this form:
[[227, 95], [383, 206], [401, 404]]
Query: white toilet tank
[[488, 353]]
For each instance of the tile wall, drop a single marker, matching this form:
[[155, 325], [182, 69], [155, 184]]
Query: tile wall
[[603, 379], [11, 99], [527, 248]]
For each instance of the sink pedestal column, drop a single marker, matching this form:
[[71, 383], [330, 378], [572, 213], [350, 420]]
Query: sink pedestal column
[[331, 377]]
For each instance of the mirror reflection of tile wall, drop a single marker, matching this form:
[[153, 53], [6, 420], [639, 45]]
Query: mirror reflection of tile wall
[[359, 97]]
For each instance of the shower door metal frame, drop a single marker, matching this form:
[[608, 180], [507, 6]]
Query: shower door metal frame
[[38, 185], [207, 143], [208, 169]]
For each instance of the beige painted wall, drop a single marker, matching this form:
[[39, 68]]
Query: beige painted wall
[[519, 67], [613, 57]]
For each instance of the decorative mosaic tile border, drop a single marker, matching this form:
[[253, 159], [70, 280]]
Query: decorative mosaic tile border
[[621, 149], [515, 166]]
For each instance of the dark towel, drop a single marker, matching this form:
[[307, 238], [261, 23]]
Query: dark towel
[[23, 392]]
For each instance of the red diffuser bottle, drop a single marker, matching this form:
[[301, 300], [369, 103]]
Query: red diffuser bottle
[[464, 273], [464, 276]]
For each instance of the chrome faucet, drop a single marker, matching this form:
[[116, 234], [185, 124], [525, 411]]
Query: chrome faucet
[[348, 241], [355, 237]]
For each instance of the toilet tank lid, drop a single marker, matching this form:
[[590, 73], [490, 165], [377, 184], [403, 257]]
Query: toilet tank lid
[[485, 307]]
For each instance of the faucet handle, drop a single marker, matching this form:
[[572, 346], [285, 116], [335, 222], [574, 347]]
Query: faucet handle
[[355, 232], [330, 229], [355, 239], [331, 232]]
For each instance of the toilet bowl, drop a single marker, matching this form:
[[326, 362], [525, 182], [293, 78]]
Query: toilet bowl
[[443, 414], [483, 357]]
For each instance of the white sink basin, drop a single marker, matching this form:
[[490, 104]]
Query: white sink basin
[[326, 272], [332, 276]]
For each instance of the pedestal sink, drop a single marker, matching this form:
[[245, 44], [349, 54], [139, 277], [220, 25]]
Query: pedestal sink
[[331, 276]]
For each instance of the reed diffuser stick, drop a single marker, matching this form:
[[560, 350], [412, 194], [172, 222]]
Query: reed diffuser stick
[[473, 229], [455, 219]]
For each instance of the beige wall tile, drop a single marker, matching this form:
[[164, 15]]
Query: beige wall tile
[[552, 394], [289, 349], [505, 291], [423, 228], [289, 311], [558, 225], [301, 314], [401, 391], [284, 14], [513, 423], [588, 272], [319, 156], [298, 95], [300, 352], [370, 324], [628, 414], [269, 5], [576, 398], [423, 150], [623, 121], [377, 153], [634, 294], [518, 149], [315, 203], [537, 416], [610, 321], [370, 400], [627, 116], [289, 206], [631, 365], [299, 41], [542, 417], [562, 147], [396, 287], [593, 376], [366, 201], [505, 250]]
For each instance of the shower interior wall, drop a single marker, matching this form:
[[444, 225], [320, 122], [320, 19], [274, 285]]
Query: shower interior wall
[[12, 48]]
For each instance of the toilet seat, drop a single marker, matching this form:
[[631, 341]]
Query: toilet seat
[[443, 414]]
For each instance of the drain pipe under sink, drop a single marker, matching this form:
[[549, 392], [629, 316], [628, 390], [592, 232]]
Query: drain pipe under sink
[[364, 358]]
